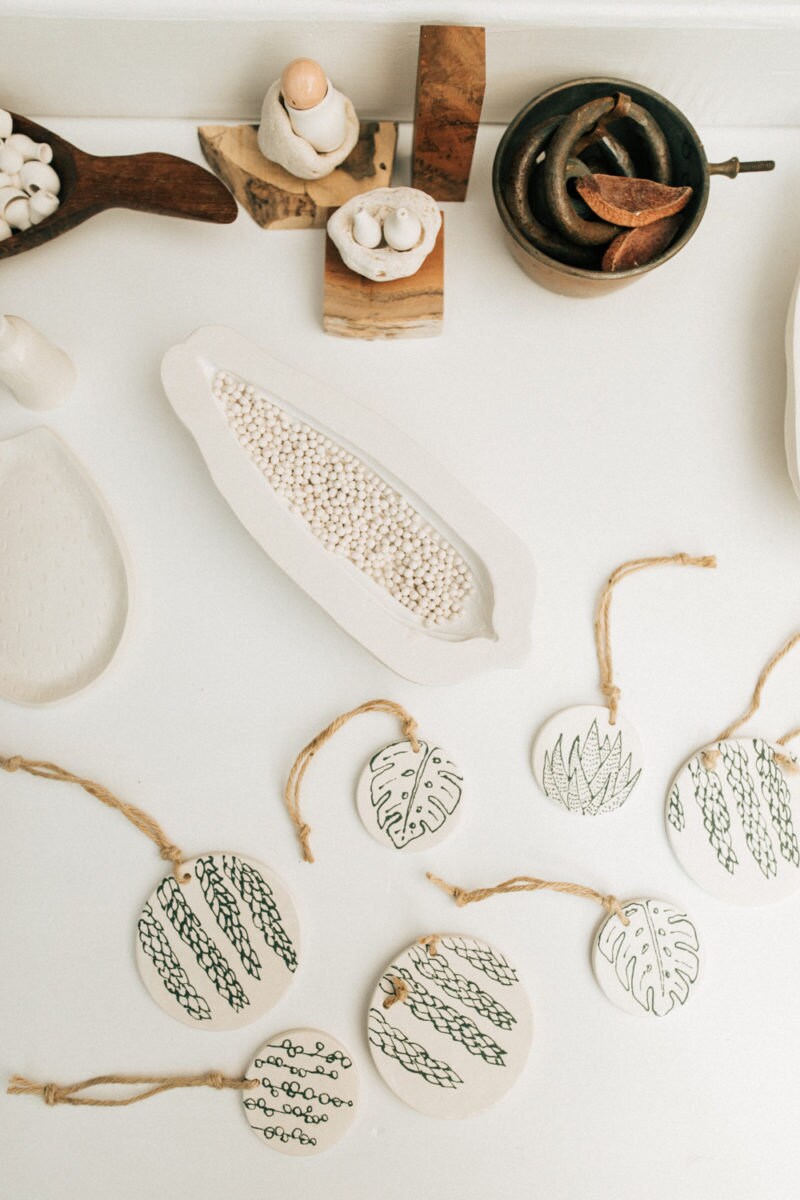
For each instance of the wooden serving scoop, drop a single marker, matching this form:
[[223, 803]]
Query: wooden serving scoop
[[154, 183]]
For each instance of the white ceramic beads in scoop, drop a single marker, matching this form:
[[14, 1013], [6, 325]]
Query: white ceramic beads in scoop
[[350, 509], [29, 185]]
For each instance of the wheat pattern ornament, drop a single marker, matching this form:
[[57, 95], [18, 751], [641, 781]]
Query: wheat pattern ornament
[[645, 956], [296, 1109], [408, 795], [588, 759], [443, 1040], [740, 798], [182, 965]]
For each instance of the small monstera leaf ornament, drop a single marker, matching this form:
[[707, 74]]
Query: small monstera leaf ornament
[[409, 799]]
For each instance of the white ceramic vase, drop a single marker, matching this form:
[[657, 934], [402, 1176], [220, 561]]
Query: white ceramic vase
[[40, 375]]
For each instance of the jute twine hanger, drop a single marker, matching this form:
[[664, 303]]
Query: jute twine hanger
[[142, 820], [54, 1093], [711, 756], [529, 883], [291, 792], [401, 989], [602, 624]]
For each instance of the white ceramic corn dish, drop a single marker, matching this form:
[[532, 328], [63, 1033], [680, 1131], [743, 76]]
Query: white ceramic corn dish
[[792, 425], [493, 627], [64, 592]]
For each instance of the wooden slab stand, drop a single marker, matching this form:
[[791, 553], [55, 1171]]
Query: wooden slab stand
[[356, 307], [451, 80], [277, 200]]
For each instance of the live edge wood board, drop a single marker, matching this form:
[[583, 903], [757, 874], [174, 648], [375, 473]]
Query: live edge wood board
[[356, 307], [451, 80], [277, 200]]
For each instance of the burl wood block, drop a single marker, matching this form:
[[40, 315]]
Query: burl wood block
[[277, 200], [356, 307], [451, 80]]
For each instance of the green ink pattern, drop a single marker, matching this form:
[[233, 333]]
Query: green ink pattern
[[716, 817], [491, 964], [410, 1055], [775, 791], [209, 957], [154, 943], [427, 1007], [226, 911], [748, 806], [436, 968], [259, 898], [675, 814], [595, 779]]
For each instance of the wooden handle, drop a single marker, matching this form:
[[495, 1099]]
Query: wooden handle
[[155, 183]]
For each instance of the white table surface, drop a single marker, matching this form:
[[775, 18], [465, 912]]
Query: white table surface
[[643, 423]]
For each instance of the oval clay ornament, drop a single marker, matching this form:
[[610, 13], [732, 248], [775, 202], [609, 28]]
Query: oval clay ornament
[[734, 825], [409, 800], [219, 951], [585, 764], [648, 967], [460, 1036], [307, 1095], [63, 575]]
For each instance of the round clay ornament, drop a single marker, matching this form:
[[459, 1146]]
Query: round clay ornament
[[648, 967], [307, 1095], [734, 825], [458, 1040], [585, 764], [220, 950], [409, 800]]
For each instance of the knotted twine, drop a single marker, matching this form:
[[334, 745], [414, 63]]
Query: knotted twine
[[142, 820], [528, 883], [54, 1093], [291, 793], [711, 755], [602, 624]]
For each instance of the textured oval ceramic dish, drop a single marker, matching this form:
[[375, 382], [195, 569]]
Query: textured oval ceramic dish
[[493, 627], [63, 577], [792, 428]]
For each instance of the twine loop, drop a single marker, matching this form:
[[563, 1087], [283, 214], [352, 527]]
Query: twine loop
[[711, 755], [431, 943], [154, 1085], [602, 624], [529, 883], [137, 816], [291, 793]]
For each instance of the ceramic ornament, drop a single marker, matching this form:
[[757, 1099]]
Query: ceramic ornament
[[588, 758], [218, 951], [362, 518], [449, 1026], [217, 941], [64, 598], [650, 966], [408, 795], [645, 954], [409, 799], [307, 1093], [733, 810], [407, 239], [300, 1093], [792, 422], [584, 763], [733, 821], [307, 126]]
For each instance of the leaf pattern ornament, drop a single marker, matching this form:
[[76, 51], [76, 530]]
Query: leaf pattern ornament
[[655, 957], [412, 794]]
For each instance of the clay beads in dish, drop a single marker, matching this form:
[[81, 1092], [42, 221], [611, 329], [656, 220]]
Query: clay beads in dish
[[382, 262]]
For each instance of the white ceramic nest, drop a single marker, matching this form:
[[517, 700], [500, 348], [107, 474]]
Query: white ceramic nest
[[278, 141], [383, 263]]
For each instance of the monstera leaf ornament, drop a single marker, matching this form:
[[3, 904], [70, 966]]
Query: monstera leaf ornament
[[650, 965], [409, 799]]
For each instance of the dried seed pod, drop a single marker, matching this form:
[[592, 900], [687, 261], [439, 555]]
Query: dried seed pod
[[641, 245], [631, 202]]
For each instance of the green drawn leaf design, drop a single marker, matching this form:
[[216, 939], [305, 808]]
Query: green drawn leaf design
[[224, 907], [209, 957], [260, 899], [411, 1056], [155, 945], [484, 959], [426, 1006], [675, 814], [775, 791], [716, 817], [596, 778], [437, 969], [412, 794], [655, 957], [748, 806]]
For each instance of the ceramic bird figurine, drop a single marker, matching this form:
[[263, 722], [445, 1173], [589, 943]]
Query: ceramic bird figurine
[[307, 126]]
